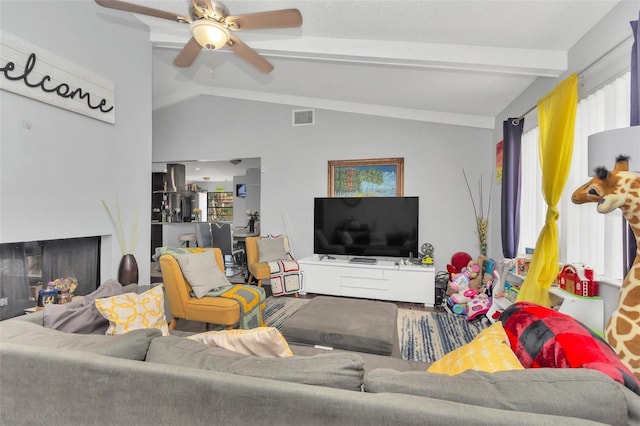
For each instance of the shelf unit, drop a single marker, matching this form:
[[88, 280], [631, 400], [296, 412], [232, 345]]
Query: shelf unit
[[587, 310], [385, 280]]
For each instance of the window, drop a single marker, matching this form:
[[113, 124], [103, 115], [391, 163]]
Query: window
[[220, 206], [584, 235]]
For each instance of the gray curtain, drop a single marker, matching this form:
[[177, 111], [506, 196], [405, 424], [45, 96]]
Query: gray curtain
[[14, 285], [630, 239], [512, 146], [72, 257]]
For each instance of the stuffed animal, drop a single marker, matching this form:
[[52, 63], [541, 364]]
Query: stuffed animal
[[477, 275], [459, 261], [611, 190]]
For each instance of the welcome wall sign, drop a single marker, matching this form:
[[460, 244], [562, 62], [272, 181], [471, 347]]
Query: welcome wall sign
[[30, 71]]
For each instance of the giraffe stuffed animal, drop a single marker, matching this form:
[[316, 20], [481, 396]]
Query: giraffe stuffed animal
[[614, 189]]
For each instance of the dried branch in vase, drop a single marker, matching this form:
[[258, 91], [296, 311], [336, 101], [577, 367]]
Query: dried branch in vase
[[482, 220]]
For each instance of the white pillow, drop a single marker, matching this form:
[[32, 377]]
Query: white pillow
[[202, 272], [271, 249], [261, 341]]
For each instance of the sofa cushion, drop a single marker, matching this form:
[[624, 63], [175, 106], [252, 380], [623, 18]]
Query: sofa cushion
[[543, 337], [371, 361], [335, 370], [261, 341], [131, 311], [489, 351], [582, 393], [132, 345], [82, 317], [202, 272]]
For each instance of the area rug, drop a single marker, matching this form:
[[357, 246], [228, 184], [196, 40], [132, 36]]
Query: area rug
[[278, 309], [428, 336]]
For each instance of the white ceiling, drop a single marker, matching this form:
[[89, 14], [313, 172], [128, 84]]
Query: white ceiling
[[447, 61]]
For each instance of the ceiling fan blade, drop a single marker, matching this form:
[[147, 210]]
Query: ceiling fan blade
[[285, 18], [188, 54], [249, 55], [143, 10]]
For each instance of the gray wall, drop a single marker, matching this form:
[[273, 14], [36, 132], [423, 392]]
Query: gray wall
[[55, 165], [294, 162]]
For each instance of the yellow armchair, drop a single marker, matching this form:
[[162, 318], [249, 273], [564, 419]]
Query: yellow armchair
[[211, 310], [257, 270]]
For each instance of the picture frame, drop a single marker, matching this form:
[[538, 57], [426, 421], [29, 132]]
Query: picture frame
[[376, 177]]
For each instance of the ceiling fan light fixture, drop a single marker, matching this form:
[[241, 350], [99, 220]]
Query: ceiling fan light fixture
[[210, 34]]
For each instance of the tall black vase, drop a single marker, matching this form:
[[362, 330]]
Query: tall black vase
[[252, 225], [128, 270]]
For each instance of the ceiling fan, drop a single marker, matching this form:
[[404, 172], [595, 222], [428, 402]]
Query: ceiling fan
[[210, 23]]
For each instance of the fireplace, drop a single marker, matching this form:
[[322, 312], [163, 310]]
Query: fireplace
[[26, 265]]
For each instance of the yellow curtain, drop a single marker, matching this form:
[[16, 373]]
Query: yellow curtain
[[556, 120]]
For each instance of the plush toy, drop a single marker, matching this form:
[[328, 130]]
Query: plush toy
[[470, 276], [610, 190], [459, 260], [477, 275]]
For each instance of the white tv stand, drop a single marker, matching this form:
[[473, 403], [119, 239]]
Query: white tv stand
[[385, 280]]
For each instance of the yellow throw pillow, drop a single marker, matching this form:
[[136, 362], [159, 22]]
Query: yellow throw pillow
[[489, 351], [132, 311], [261, 341]]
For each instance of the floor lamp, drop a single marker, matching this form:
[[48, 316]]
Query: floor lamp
[[603, 148]]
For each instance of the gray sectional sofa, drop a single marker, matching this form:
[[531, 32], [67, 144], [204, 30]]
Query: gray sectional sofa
[[48, 377]]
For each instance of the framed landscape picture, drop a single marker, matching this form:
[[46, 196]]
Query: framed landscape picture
[[378, 177]]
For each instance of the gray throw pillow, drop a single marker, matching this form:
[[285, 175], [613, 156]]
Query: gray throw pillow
[[202, 272], [271, 249], [82, 317]]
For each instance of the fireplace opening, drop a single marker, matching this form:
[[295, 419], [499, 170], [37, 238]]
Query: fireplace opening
[[26, 266]]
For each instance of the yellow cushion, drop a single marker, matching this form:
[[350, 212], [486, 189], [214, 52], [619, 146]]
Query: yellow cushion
[[132, 311], [261, 341], [489, 351]]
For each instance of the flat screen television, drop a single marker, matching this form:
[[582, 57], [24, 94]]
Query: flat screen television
[[366, 226]]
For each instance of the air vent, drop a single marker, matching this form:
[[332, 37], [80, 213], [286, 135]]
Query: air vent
[[303, 117]]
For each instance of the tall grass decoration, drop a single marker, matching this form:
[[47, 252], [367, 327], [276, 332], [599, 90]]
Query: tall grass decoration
[[119, 228], [482, 220]]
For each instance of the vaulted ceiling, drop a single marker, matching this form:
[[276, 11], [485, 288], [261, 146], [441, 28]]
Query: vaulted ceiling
[[448, 61]]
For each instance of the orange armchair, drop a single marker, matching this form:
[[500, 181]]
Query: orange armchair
[[211, 310]]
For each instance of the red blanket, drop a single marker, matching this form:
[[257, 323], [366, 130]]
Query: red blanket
[[542, 337]]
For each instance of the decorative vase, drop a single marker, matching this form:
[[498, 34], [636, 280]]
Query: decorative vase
[[128, 270], [252, 225]]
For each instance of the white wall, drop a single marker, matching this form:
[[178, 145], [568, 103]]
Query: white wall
[[56, 166], [294, 162]]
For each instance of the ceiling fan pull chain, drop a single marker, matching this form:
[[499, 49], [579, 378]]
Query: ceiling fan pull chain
[[211, 69]]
